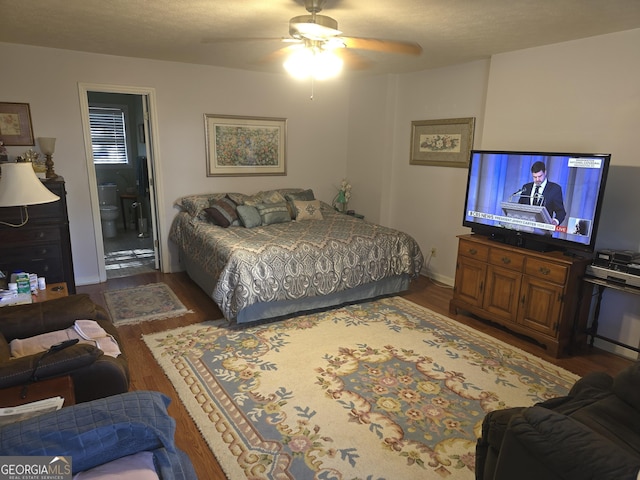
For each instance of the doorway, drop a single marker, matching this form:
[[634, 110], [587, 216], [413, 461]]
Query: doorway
[[121, 170]]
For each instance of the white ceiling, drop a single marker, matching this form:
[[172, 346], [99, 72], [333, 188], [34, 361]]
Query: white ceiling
[[449, 31]]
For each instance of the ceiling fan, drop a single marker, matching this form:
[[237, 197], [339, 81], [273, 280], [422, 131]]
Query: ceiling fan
[[314, 34], [321, 28]]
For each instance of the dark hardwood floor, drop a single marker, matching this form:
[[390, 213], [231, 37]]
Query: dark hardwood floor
[[146, 374]]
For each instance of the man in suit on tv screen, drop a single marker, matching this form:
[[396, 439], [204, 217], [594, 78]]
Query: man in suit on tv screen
[[545, 193]]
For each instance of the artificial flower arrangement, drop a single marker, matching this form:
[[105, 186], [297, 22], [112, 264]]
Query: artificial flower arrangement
[[343, 196]]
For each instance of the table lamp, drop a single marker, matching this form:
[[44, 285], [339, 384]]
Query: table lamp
[[48, 146], [20, 187]]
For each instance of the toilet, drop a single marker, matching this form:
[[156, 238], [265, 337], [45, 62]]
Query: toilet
[[108, 199]]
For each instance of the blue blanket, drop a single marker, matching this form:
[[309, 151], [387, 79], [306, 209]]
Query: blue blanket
[[103, 430]]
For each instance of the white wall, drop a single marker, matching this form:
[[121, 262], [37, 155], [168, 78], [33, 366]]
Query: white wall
[[580, 96], [424, 201], [48, 80]]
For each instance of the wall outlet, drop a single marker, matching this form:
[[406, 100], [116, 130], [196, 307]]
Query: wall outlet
[[433, 251]]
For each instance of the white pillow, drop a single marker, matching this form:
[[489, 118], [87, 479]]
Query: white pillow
[[308, 210], [138, 466]]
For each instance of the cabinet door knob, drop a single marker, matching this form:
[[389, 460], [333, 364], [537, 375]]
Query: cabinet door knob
[[506, 260], [545, 271], [473, 251]]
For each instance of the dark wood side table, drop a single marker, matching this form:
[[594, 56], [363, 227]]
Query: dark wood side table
[[52, 387]]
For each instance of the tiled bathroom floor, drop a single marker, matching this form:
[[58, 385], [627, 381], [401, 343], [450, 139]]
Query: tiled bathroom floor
[[126, 254]]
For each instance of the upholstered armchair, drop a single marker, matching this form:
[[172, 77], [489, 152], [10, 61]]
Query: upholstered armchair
[[592, 433], [94, 374]]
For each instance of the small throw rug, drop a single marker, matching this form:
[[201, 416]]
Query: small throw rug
[[154, 301], [380, 390]]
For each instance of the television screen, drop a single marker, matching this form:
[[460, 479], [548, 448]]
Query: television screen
[[535, 199]]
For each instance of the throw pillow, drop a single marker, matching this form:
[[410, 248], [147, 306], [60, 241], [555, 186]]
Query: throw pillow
[[195, 204], [306, 195], [222, 212], [308, 210], [249, 216], [273, 213]]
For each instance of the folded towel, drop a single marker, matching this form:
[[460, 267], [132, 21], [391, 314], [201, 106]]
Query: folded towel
[[86, 331]]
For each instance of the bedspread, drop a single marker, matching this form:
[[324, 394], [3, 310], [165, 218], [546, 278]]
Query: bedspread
[[292, 260]]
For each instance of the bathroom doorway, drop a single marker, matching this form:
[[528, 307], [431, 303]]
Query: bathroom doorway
[[117, 134]]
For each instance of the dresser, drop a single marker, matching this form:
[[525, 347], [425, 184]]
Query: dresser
[[532, 293], [43, 245]]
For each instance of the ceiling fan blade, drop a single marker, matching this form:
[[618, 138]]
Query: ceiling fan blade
[[380, 45], [352, 60], [280, 54], [245, 39]]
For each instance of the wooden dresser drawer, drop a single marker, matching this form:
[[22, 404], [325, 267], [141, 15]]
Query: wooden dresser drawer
[[28, 252], [50, 268], [473, 250], [506, 259], [552, 272], [27, 235]]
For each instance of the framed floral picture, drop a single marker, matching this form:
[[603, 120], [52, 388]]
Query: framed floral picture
[[445, 142], [240, 146], [15, 124]]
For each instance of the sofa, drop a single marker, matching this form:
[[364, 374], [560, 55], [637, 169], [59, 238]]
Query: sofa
[[94, 374], [592, 433], [130, 435]]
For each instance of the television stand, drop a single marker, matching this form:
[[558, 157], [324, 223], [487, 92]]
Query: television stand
[[521, 242], [536, 294]]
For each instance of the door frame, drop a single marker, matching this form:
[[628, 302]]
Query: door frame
[[155, 172]]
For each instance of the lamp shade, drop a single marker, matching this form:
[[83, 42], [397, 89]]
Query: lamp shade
[[19, 186], [47, 145]]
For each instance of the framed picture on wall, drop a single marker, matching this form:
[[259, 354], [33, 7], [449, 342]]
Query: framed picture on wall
[[15, 124], [445, 143], [242, 146]]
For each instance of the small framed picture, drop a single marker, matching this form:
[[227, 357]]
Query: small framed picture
[[15, 124], [445, 143], [243, 146]]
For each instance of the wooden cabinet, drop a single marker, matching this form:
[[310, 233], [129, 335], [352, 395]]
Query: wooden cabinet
[[43, 245], [532, 293]]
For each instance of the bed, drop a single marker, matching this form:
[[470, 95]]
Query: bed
[[283, 252]]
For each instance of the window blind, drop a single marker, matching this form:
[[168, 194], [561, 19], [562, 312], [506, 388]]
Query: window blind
[[108, 135]]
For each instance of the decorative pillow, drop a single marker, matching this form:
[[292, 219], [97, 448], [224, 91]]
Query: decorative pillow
[[194, 204], [307, 210], [222, 212], [238, 198], [306, 195], [249, 216], [273, 213], [271, 196]]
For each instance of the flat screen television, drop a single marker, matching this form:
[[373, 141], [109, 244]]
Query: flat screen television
[[502, 200]]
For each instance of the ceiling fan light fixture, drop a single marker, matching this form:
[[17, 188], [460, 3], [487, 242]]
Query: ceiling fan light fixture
[[313, 27], [314, 62]]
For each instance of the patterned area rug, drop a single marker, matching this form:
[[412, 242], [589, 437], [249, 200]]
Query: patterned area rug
[[154, 301], [386, 389]]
